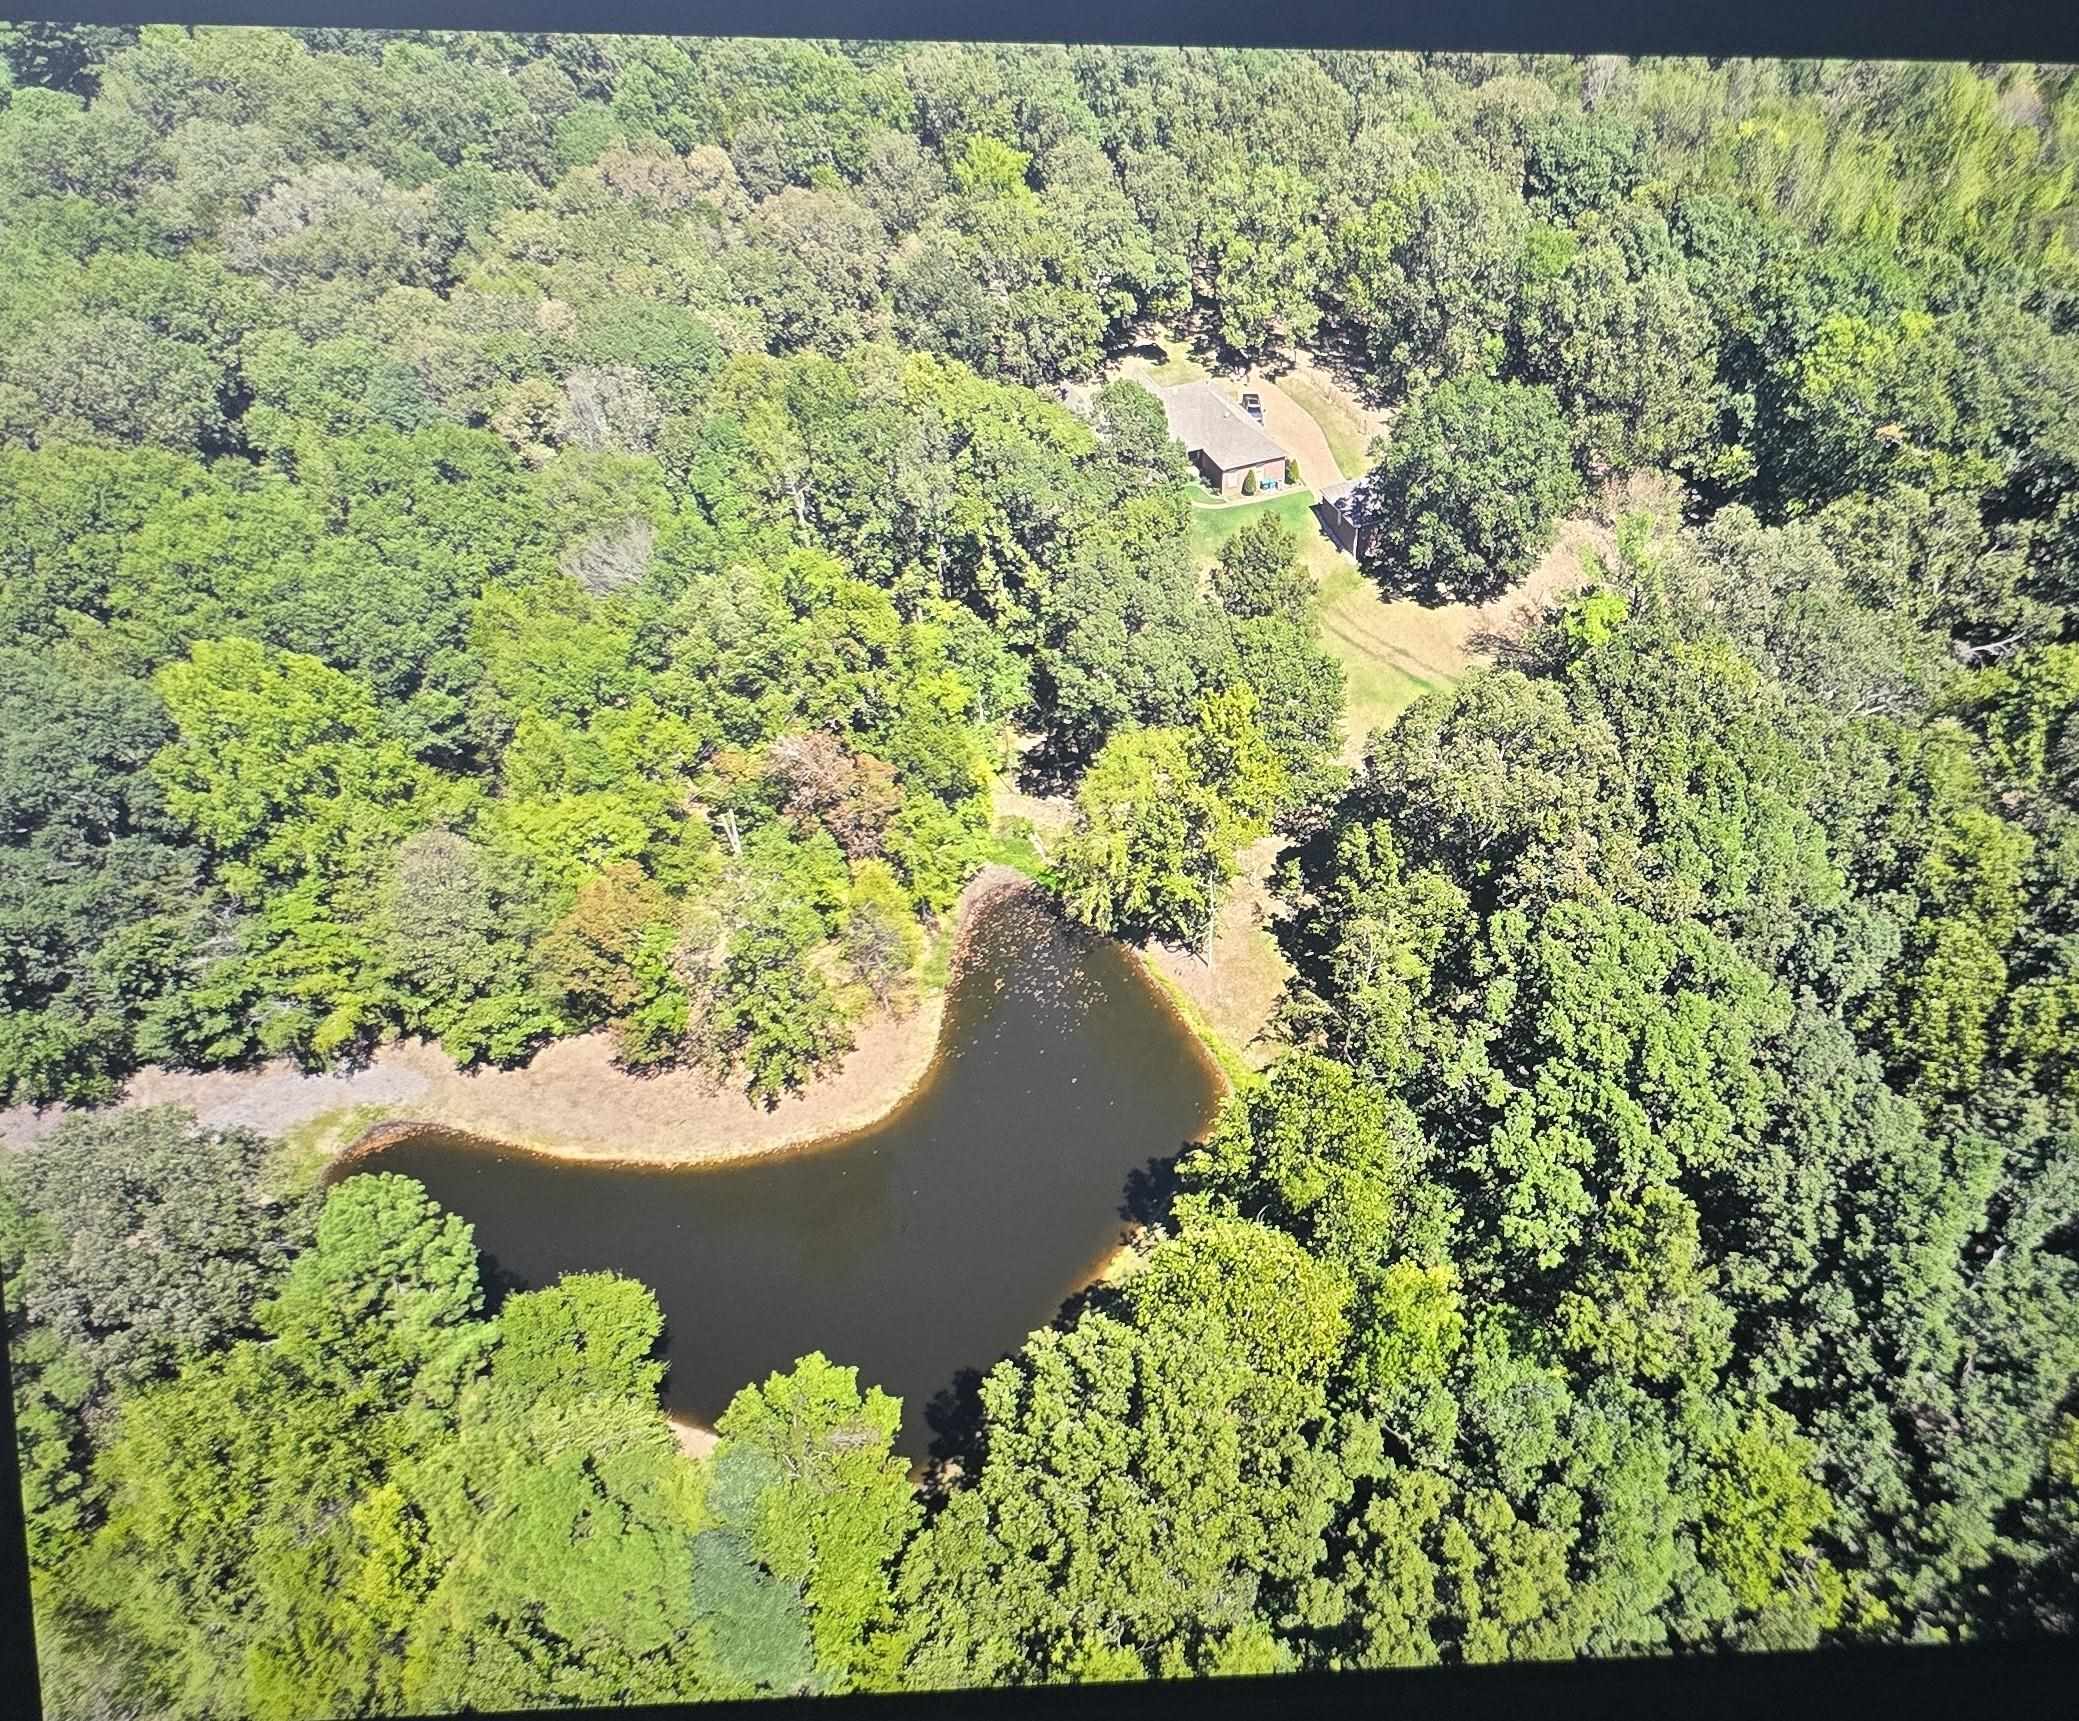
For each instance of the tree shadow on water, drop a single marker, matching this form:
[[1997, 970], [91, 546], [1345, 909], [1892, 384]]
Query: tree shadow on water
[[1100, 1296], [499, 1281], [1151, 1191], [954, 1417]]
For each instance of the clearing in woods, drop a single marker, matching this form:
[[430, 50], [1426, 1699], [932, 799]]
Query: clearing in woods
[[1345, 421], [1392, 653]]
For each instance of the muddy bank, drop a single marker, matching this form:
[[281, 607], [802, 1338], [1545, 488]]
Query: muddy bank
[[570, 1100]]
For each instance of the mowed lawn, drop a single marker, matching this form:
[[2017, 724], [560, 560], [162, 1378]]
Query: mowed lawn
[[1176, 364], [1214, 523], [1384, 672], [1391, 654]]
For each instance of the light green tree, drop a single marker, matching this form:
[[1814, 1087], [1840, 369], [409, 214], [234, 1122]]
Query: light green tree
[[806, 1483]]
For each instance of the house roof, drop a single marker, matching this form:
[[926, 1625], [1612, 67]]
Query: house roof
[[1204, 421]]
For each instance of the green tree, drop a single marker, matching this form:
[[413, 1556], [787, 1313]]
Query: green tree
[[460, 980], [163, 1238], [1471, 491], [385, 1304], [805, 1485], [1429, 272], [1299, 697], [1263, 254], [589, 1335], [882, 942], [1181, 1491], [1575, 163], [1643, 1306], [1258, 572], [214, 1482], [1626, 347], [590, 958], [754, 1002], [61, 56], [99, 900], [1316, 1152], [282, 771], [235, 1511], [1153, 845], [559, 1525], [1761, 1507]]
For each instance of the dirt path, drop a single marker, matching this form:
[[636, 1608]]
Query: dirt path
[[570, 1100], [1049, 815], [1290, 426], [1324, 387]]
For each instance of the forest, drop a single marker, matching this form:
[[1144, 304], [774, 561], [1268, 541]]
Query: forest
[[503, 538]]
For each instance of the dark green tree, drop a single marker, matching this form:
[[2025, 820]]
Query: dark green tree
[[1471, 491]]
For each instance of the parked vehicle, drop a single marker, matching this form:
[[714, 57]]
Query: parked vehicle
[[1252, 404]]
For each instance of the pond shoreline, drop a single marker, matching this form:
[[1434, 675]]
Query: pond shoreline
[[933, 1242], [569, 1101], [697, 1440]]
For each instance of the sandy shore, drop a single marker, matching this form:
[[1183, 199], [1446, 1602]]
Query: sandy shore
[[570, 1100], [694, 1441]]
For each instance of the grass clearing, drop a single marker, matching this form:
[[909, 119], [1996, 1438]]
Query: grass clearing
[[1391, 654], [1382, 676], [1011, 845], [1176, 364], [1232, 1065], [300, 1156]]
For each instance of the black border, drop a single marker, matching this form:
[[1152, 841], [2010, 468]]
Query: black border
[[2021, 1683], [1975, 30], [17, 1632]]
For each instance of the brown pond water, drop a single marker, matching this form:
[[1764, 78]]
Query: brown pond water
[[927, 1245]]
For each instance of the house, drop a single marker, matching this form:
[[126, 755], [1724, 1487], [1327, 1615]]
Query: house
[[1222, 443], [1350, 511]]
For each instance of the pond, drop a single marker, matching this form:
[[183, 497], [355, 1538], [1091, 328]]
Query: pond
[[927, 1245]]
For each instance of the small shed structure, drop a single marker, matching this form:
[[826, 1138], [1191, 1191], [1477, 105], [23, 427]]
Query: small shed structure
[[1350, 512], [1223, 443]]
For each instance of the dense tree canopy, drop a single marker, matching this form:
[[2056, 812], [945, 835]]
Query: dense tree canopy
[[505, 537], [437, 360]]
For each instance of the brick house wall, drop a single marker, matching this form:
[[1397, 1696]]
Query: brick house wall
[[1229, 483]]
